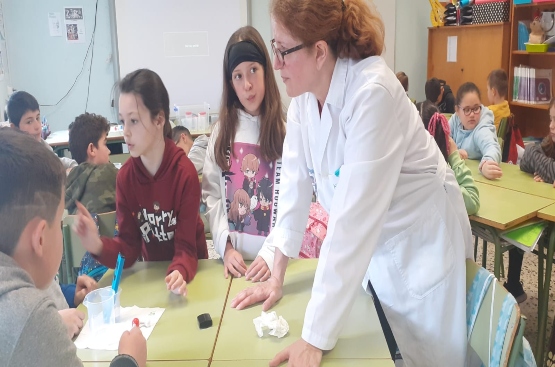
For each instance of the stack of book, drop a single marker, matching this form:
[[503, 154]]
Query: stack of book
[[532, 85]]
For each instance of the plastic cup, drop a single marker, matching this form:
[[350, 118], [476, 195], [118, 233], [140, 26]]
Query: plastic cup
[[103, 306]]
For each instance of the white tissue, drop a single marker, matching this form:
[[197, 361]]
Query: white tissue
[[277, 325]]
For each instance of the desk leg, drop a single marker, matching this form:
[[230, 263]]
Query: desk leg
[[498, 253], [544, 281]]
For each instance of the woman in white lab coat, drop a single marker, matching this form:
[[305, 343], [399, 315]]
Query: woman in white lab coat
[[397, 217]]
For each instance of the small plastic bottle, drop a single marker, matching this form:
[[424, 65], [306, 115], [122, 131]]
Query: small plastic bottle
[[202, 122]]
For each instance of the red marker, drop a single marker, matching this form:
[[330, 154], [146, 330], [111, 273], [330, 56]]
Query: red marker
[[136, 322]]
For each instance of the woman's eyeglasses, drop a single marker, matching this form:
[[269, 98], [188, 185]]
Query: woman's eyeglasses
[[280, 55]]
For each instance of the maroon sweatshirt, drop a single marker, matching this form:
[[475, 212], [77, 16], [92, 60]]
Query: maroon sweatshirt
[[158, 216]]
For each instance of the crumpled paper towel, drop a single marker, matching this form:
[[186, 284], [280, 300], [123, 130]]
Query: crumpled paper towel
[[277, 325]]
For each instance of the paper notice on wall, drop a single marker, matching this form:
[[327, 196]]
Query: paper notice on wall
[[452, 49], [55, 24], [74, 24]]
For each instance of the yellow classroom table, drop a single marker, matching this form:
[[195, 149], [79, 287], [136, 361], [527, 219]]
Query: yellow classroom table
[[513, 179], [156, 364], [176, 336], [362, 337], [500, 210], [325, 363]]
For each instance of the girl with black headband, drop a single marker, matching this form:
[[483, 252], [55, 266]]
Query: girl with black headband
[[397, 221], [242, 167]]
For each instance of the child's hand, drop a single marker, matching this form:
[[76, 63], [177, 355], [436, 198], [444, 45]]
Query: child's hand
[[84, 285], [537, 178], [463, 153], [491, 170], [233, 263], [258, 271], [73, 320], [85, 228], [133, 343], [176, 284]]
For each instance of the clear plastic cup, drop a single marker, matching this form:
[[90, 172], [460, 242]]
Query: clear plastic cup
[[103, 307]]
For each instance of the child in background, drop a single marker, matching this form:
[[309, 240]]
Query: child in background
[[473, 131], [539, 160], [31, 208], [93, 182], [438, 127], [194, 149], [497, 94], [24, 115], [157, 190], [245, 146], [404, 80]]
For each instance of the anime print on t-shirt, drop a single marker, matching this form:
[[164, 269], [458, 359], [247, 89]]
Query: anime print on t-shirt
[[156, 223], [252, 188]]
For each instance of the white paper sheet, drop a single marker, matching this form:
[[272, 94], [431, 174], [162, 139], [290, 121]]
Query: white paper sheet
[[452, 49], [108, 337], [55, 24]]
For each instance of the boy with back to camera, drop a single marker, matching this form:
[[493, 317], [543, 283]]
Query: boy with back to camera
[[31, 208]]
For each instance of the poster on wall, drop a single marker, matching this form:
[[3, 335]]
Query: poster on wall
[[74, 24], [55, 24]]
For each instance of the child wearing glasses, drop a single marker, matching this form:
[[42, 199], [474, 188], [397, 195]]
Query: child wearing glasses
[[473, 131]]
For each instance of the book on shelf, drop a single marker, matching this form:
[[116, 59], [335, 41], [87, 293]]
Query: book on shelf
[[526, 236], [531, 85]]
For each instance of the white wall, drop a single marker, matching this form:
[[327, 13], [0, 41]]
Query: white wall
[[411, 43]]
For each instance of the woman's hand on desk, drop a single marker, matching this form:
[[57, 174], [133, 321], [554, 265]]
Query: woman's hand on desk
[[86, 229], [258, 271], [269, 291], [299, 354], [176, 283], [491, 170]]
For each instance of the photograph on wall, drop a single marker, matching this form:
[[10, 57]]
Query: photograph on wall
[[74, 24]]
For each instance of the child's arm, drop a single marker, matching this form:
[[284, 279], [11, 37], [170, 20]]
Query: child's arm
[[464, 178], [486, 141], [129, 241], [536, 162], [185, 259], [212, 196]]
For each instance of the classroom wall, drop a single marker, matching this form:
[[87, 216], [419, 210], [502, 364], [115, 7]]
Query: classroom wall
[[411, 43], [47, 66], [4, 83]]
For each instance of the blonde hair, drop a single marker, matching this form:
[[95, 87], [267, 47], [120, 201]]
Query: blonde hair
[[352, 28], [250, 161]]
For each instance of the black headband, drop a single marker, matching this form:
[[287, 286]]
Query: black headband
[[241, 52]]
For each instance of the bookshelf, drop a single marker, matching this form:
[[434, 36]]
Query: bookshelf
[[532, 119]]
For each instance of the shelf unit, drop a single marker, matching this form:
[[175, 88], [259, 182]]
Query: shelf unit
[[481, 48], [532, 119]]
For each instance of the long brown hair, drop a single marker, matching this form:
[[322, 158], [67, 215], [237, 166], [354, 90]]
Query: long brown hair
[[351, 28], [149, 86], [272, 115], [547, 145]]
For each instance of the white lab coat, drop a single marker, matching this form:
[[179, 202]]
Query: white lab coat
[[397, 216]]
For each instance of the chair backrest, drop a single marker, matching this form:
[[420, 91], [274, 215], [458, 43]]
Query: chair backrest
[[119, 158], [73, 250], [480, 339]]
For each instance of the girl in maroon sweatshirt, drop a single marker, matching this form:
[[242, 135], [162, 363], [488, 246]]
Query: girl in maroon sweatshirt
[[157, 190]]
